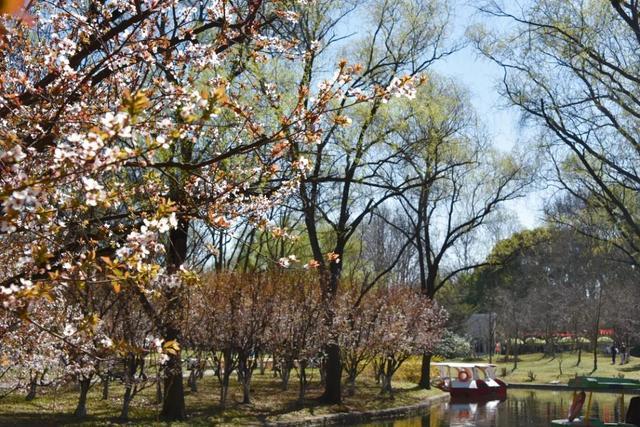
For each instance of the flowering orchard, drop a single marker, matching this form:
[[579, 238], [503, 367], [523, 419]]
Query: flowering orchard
[[125, 127], [230, 323]]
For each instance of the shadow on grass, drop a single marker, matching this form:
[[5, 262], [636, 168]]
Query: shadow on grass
[[20, 419], [630, 368]]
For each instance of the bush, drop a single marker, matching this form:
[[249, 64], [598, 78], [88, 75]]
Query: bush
[[453, 346], [531, 377]]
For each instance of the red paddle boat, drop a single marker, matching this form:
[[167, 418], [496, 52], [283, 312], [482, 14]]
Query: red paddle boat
[[469, 381]]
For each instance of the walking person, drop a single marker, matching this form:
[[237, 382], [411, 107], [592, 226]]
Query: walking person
[[623, 354], [614, 351]]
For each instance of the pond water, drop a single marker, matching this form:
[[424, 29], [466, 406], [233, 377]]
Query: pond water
[[530, 408]]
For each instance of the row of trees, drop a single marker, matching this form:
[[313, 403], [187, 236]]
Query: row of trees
[[144, 144], [550, 282], [570, 69], [231, 323]]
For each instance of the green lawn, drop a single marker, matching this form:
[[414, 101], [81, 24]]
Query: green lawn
[[547, 369], [270, 403]]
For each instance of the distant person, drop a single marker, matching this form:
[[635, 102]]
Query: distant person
[[614, 351], [498, 348], [623, 354]]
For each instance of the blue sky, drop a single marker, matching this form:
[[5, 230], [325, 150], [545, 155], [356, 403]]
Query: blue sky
[[482, 77]]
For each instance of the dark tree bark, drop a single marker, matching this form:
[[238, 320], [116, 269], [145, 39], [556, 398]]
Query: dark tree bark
[[245, 372], [333, 363], [425, 371], [129, 375], [81, 409], [173, 407], [303, 381], [285, 373], [33, 387], [226, 368], [105, 386], [333, 387]]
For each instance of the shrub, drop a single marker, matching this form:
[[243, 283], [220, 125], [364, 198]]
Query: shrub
[[531, 376], [453, 346]]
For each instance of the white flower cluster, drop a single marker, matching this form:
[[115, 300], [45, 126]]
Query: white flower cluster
[[161, 225], [285, 262], [116, 124], [402, 87], [167, 281], [94, 192], [57, 57], [156, 344], [140, 244], [202, 55], [19, 200], [9, 292], [90, 150], [13, 155]]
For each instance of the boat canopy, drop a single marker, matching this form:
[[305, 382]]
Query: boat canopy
[[464, 365]]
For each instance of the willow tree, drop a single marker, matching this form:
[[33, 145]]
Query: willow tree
[[352, 159], [571, 68]]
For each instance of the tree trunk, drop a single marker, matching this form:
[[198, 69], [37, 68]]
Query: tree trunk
[[386, 386], [226, 367], [173, 407], [333, 367], [425, 372], [285, 374], [131, 366], [322, 368], [105, 387], [159, 393], [224, 389], [193, 382], [173, 399], [332, 388], [351, 383], [428, 288], [376, 370], [579, 354], [246, 393], [245, 371], [33, 385], [597, 331], [126, 402], [303, 381], [81, 409]]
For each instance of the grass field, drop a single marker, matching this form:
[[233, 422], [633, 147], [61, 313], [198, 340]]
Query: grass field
[[547, 369], [270, 403]]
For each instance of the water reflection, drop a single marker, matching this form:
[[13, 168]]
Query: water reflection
[[523, 408]]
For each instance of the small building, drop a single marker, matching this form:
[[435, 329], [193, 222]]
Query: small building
[[480, 329]]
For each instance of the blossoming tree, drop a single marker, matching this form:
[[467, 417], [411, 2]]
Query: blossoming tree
[[123, 124]]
